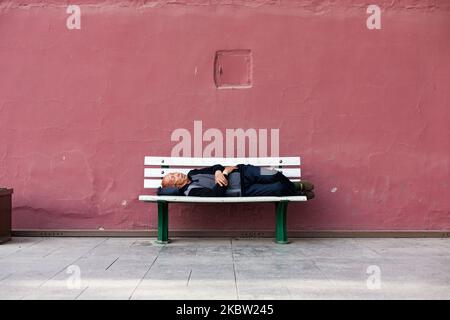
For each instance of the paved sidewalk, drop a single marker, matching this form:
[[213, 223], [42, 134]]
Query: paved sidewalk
[[137, 268]]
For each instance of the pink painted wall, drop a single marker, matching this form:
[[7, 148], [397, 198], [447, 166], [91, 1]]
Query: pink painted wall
[[368, 110]]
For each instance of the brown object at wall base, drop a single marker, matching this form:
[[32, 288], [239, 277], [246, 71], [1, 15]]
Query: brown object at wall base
[[5, 214]]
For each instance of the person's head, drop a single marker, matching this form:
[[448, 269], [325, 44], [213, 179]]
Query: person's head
[[175, 179]]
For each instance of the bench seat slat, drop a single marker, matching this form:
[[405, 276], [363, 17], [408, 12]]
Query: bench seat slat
[[182, 199], [204, 162]]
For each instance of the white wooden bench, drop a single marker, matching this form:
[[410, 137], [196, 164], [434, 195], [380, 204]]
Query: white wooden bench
[[158, 167]]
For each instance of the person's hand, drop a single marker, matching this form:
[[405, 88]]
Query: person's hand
[[227, 170], [221, 180]]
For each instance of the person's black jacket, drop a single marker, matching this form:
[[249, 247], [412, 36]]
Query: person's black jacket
[[216, 191]]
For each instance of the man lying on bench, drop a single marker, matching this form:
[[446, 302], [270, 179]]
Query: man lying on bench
[[236, 181]]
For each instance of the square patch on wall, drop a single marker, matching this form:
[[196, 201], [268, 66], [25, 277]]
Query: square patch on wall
[[233, 69]]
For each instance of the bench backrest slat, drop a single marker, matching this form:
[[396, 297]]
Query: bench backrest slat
[[161, 172], [156, 183], [160, 166], [205, 162]]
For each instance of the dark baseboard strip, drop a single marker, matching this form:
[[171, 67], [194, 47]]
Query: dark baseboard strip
[[233, 233]]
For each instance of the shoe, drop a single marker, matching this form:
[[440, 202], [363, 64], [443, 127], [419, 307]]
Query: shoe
[[309, 194], [303, 185]]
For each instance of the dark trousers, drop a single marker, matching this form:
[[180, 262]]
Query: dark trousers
[[257, 181]]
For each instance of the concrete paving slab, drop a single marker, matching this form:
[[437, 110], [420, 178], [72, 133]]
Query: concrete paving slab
[[137, 268], [406, 247]]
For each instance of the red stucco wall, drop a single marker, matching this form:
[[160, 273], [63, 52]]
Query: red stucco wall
[[368, 110]]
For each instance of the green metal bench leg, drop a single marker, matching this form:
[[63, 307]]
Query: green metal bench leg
[[163, 222], [281, 227]]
